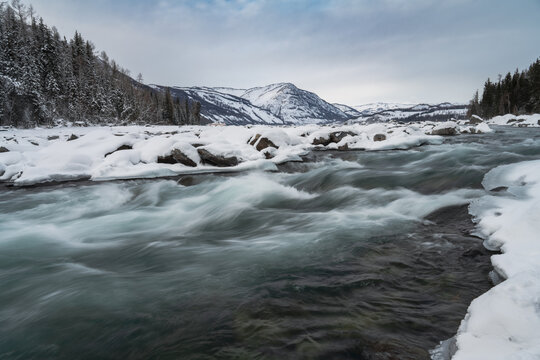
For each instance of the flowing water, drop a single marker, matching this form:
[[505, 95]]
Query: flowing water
[[348, 255]]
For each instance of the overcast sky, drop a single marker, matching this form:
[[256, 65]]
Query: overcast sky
[[347, 51]]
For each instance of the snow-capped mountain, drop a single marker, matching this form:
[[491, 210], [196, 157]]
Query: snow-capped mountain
[[281, 103], [284, 103], [294, 105]]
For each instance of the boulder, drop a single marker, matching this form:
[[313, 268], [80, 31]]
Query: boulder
[[261, 143], [72, 137], [379, 137], [343, 147], [252, 140], [123, 147], [475, 120], [334, 137], [53, 137], [446, 131], [176, 157], [3, 149], [186, 181], [216, 160], [337, 136], [321, 141]]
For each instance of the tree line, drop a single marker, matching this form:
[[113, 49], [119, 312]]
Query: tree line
[[517, 93], [45, 77]]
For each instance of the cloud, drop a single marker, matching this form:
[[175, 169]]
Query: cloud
[[348, 51]]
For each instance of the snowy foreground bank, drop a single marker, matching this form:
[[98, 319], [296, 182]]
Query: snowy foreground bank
[[34, 156], [504, 323]]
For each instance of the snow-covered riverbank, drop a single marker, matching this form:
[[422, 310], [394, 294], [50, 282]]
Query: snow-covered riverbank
[[504, 323], [106, 153]]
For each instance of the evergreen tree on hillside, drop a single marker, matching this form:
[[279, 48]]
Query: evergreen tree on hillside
[[517, 93], [44, 77]]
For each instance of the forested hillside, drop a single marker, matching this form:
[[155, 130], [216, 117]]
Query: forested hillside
[[517, 94], [45, 77]]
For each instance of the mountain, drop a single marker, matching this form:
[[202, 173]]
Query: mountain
[[224, 107], [373, 108], [349, 110], [281, 103], [286, 104], [381, 112], [294, 105]]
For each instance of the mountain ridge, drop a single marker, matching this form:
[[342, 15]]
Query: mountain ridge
[[286, 104]]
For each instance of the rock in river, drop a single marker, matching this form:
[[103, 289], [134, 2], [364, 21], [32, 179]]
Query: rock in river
[[216, 160]]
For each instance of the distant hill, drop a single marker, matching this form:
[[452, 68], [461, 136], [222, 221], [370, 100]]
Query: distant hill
[[378, 112]]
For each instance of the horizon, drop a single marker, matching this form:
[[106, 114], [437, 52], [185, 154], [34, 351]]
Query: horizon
[[390, 51]]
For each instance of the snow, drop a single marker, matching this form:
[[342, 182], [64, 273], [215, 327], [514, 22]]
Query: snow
[[516, 120], [382, 112], [372, 108], [45, 155], [446, 125], [294, 105], [504, 323]]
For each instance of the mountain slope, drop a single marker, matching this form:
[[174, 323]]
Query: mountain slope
[[294, 105], [223, 107], [349, 110]]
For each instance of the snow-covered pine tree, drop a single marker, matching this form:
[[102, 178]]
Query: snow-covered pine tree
[[44, 76]]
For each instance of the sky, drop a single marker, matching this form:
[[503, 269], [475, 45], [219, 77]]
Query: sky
[[347, 51]]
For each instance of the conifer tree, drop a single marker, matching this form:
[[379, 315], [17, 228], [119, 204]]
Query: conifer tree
[[517, 94]]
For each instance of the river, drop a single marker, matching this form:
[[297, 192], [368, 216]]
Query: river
[[347, 255]]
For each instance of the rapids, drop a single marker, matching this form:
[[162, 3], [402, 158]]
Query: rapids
[[347, 255]]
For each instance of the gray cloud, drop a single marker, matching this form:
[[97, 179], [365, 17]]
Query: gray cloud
[[347, 51]]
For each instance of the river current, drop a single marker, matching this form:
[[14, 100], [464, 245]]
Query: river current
[[347, 255]]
